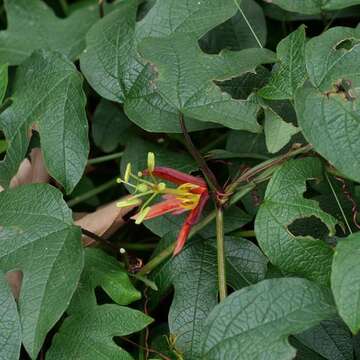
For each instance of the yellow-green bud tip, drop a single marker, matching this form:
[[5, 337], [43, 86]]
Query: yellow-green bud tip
[[142, 215], [161, 186], [139, 174], [118, 180], [127, 172], [128, 202], [142, 188], [151, 162]]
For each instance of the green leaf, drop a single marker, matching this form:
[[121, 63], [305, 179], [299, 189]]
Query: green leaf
[[102, 270], [331, 339], [313, 6], [245, 263], [116, 71], [345, 277], [10, 327], [283, 204], [57, 109], [90, 328], [303, 352], [193, 276], [110, 126], [191, 89], [328, 109], [33, 25], [38, 237], [90, 337], [290, 73], [3, 81], [234, 34], [255, 322], [278, 132]]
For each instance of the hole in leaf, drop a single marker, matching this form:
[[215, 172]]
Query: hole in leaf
[[310, 226], [346, 44]]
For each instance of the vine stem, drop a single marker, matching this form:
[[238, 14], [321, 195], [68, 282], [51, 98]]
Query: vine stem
[[263, 166], [104, 158], [220, 247], [209, 175], [88, 195]]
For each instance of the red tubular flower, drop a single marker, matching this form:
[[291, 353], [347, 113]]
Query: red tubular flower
[[191, 195], [180, 178]]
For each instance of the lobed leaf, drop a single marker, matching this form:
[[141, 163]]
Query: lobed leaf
[[290, 73], [48, 96], [39, 238], [116, 71], [32, 25], [191, 88], [10, 327], [90, 336], [102, 270]]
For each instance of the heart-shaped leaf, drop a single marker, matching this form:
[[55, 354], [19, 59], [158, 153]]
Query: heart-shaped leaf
[[283, 204], [258, 320], [328, 108], [193, 275], [313, 6], [345, 277]]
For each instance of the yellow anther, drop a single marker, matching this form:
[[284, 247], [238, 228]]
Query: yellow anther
[[128, 202], [139, 174], [142, 215], [127, 172], [142, 188], [151, 162]]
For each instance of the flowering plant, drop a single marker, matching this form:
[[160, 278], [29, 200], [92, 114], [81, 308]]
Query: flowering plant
[[191, 195]]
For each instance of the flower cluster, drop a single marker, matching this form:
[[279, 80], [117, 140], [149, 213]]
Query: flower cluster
[[191, 194]]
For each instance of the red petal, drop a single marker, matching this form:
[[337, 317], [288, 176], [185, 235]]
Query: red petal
[[176, 177], [191, 220], [161, 208], [181, 239], [199, 209]]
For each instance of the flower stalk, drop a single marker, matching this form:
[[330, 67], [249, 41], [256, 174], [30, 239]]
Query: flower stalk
[[220, 249]]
